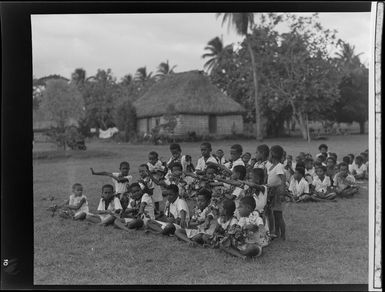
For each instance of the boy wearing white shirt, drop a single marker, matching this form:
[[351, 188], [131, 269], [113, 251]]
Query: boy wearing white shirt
[[109, 207], [206, 158], [322, 186], [358, 169], [235, 159], [176, 215], [299, 187]]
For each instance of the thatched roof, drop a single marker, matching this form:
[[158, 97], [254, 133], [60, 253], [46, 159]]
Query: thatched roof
[[190, 92]]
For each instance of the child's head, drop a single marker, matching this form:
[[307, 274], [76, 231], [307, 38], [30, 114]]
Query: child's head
[[220, 153], [308, 155], [246, 206], [153, 157], [236, 152], [239, 172], [172, 193], [364, 156], [211, 171], [351, 156], [136, 191], [299, 173], [175, 150], [262, 152], [344, 168], [227, 208], [289, 158], [107, 191], [321, 158], [330, 162], [359, 160], [77, 189], [246, 158], [258, 176], [276, 153], [323, 148], [203, 198], [309, 163], [302, 155], [206, 149], [143, 168], [176, 169], [334, 155], [346, 159], [298, 159], [124, 168], [320, 171]]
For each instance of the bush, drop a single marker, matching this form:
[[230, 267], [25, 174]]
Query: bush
[[125, 120]]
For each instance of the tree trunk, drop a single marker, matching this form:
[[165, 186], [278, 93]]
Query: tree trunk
[[302, 125], [258, 132], [362, 127]]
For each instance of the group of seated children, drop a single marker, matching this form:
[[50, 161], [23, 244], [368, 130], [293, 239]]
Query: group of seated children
[[326, 178], [239, 202]]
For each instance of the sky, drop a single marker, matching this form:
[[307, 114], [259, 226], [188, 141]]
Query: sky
[[125, 42]]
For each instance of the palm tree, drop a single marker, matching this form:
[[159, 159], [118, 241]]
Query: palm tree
[[164, 69], [216, 53], [141, 75], [348, 58], [242, 22], [127, 79], [79, 76]]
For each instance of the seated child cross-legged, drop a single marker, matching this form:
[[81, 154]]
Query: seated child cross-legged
[[76, 207], [144, 214], [245, 240], [199, 231], [176, 214], [299, 187], [345, 183], [109, 207], [322, 186]]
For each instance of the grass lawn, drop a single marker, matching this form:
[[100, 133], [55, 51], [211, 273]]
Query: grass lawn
[[327, 243]]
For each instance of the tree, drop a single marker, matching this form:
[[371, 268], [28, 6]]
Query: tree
[[141, 75], [353, 88], [78, 76], [61, 103], [164, 69], [242, 22], [125, 119], [303, 75], [216, 52]]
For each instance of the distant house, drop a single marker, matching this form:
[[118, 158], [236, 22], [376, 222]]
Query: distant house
[[198, 105]]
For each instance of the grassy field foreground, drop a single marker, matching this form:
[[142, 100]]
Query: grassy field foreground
[[326, 242]]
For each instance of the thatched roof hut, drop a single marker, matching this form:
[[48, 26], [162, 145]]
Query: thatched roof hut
[[198, 105]]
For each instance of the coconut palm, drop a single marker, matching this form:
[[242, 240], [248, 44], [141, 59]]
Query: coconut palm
[[164, 69], [216, 53], [242, 22], [127, 79], [141, 74], [79, 76]]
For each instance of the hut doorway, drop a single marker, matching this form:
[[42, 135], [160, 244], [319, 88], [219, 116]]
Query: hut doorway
[[212, 124]]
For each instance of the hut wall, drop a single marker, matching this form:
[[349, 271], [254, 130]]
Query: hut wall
[[225, 124], [192, 123]]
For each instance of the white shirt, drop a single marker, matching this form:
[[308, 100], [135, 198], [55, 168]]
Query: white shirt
[[113, 206], [201, 164], [273, 178], [177, 207], [222, 160], [260, 200], [228, 223], [264, 164], [359, 170], [310, 171], [147, 183], [239, 161], [74, 200], [149, 208], [321, 186], [121, 188], [253, 219], [299, 188], [152, 167], [181, 160]]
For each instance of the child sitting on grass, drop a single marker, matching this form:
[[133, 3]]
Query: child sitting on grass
[[247, 237], [145, 182], [206, 157], [359, 169], [154, 162], [345, 183], [299, 187], [109, 207], [235, 159], [176, 214], [331, 168], [76, 207], [321, 186], [157, 196], [177, 157], [145, 212], [289, 171], [309, 170], [220, 157], [198, 231], [120, 179]]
